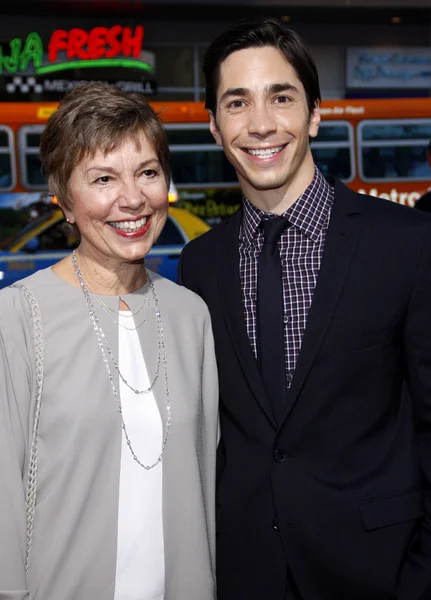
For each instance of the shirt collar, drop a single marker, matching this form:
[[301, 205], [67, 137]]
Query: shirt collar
[[308, 213]]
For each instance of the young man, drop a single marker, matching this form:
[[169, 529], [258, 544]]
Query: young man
[[321, 307]]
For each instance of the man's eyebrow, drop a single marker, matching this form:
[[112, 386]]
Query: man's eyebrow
[[274, 88], [234, 92]]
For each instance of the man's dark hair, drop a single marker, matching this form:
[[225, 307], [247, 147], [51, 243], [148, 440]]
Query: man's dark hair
[[258, 33]]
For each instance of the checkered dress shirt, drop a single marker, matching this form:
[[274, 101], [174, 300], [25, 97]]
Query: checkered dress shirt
[[301, 249]]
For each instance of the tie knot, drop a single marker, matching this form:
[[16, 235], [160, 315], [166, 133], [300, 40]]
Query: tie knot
[[273, 228]]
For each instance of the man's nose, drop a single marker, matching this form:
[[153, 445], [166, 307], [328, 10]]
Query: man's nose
[[262, 120]]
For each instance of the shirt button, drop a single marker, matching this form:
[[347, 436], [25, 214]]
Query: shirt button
[[279, 455], [289, 377], [286, 319], [275, 525]]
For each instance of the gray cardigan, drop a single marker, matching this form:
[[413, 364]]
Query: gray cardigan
[[75, 528]]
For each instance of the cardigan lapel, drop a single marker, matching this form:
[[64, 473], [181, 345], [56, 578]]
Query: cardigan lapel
[[341, 241], [229, 284]]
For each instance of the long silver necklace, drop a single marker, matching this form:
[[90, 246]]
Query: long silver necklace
[[101, 338], [105, 309], [90, 305]]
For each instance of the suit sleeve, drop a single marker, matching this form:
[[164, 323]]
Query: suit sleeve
[[15, 390], [414, 582], [186, 270], [180, 278]]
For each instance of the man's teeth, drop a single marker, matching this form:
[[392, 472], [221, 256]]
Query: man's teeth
[[129, 225], [265, 151]]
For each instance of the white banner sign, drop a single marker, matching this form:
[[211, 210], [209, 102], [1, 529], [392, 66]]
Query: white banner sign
[[388, 67]]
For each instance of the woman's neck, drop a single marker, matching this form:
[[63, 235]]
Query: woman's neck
[[111, 279]]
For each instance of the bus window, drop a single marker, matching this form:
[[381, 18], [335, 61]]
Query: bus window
[[7, 163], [32, 177], [394, 149], [333, 149], [196, 158]]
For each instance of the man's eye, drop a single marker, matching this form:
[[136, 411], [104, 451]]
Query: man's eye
[[282, 100], [236, 104]]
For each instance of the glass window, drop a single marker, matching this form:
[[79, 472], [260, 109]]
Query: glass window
[[333, 161], [170, 235], [5, 171], [330, 132], [394, 149], [202, 167], [196, 159], [174, 65], [32, 177], [397, 131], [33, 167], [33, 140], [4, 139], [7, 160], [201, 53], [189, 135], [332, 149]]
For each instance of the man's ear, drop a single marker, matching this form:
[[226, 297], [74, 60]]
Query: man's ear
[[314, 121], [214, 129]]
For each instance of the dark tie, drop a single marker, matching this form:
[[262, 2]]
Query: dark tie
[[270, 316]]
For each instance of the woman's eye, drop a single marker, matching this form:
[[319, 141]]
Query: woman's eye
[[149, 173], [104, 179]]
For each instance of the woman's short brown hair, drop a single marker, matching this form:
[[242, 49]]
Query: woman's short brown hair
[[92, 117]]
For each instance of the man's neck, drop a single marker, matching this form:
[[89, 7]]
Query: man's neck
[[277, 201]]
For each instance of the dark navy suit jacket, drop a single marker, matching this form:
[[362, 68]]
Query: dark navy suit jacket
[[338, 494]]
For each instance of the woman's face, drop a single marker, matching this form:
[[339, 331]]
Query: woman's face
[[119, 202]]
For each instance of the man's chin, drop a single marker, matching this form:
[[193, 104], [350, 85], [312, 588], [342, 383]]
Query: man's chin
[[268, 185]]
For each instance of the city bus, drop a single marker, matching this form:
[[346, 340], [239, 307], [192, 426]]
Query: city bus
[[376, 146]]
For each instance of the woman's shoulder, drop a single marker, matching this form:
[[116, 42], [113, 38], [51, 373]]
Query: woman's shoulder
[[178, 298], [12, 296], [16, 321]]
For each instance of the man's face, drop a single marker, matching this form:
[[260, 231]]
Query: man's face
[[263, 122]]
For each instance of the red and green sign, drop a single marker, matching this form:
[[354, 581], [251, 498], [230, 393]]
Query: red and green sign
[[100, 47]]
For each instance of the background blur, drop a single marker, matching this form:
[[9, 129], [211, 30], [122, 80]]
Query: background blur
[[374, 62]]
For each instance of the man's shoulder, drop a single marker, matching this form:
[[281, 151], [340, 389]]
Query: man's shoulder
[[204, 246], [380, 210], [424, 202]]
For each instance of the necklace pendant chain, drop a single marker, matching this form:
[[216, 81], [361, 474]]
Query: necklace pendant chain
[[161, 358]]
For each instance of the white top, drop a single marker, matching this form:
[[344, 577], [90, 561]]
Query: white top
[[140, 548]]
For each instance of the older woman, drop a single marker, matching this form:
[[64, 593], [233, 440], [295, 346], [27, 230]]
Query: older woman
[[108, 390]]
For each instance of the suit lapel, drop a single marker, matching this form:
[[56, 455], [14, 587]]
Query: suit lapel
[[341, 241], [229, 284]]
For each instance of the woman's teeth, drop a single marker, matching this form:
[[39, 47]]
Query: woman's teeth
[[265, 151], [129, 226]]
